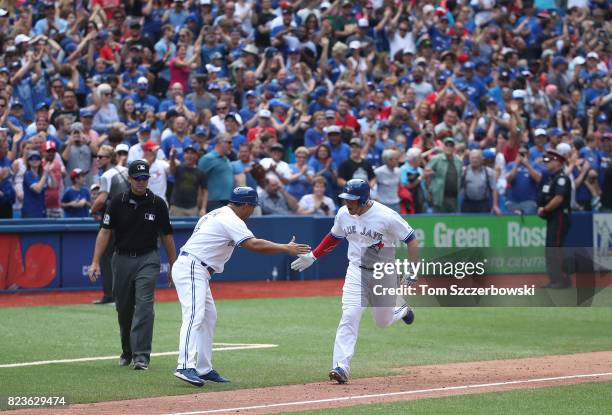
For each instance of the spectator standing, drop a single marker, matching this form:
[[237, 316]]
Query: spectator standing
[[411, 180], [190, 192], [7, 193], [219, 173], [355, 167], [106, 111], [388, 180], [299, 183], [317, 203], [443, 175], [322, 165], [36, 181], [158, 169], [244, 164], [523, 178], [275, 163], [479, 186], [76, 200], [57, 171]]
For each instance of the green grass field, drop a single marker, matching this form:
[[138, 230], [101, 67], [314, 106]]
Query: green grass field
[[590, 398], [304, 329]]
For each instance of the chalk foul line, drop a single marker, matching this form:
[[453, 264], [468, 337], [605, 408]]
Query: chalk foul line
[[218, 347], [382, 395]]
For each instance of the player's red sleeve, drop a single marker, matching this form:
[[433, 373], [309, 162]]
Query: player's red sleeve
[[326, 245]]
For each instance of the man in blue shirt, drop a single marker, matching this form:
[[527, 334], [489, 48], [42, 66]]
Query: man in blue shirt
[[339, 151], [536, 153], [142, 100], [219, 172], [523, 180], [76, 200], [475, 88], [178, 140]]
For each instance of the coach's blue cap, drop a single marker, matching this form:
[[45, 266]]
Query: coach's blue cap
[[201, 130], [244, 195], [250, 93], [42, 105], [144, 128]]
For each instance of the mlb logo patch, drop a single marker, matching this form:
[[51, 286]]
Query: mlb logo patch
[[149, 216]]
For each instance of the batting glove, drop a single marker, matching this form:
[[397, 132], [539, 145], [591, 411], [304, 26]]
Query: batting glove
[[303, 262]]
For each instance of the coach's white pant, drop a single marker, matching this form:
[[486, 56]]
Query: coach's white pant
[[353, 307], [191, 280]]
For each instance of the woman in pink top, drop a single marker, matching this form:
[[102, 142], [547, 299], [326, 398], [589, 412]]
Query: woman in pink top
[[180, 67]]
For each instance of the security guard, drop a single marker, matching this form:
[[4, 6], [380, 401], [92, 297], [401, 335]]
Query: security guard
[[554, 206], [137, 217]]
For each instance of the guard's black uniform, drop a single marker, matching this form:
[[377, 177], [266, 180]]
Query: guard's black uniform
[[557, 225], [137, 221]]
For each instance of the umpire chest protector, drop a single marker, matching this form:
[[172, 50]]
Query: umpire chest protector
[[559, 184]]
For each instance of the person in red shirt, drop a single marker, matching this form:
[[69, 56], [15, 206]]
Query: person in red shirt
[[53, 195], [344, 118], [264, 125]]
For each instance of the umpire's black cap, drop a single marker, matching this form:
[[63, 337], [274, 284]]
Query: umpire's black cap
[[138, 168]]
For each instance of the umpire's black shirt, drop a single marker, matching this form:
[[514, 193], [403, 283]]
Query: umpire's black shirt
[[137, 222]]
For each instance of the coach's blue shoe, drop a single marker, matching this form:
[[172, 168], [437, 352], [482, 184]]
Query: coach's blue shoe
[[409, 317], [339, 375], [190, 376], [214, 376]]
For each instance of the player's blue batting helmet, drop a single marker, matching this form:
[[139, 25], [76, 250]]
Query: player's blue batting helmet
[[356, 189], [244, 194]]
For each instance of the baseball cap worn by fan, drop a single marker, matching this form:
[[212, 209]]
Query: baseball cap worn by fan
[[76, 173], [138, 168], [150, 146], [122, 147]]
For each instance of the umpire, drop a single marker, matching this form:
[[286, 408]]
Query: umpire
[[137, 217], [554, 206]]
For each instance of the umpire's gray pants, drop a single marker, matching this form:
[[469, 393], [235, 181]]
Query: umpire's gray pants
[[133, 288]]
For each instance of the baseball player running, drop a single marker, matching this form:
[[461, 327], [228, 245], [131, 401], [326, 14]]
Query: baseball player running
[[208, 249], [366, 224]]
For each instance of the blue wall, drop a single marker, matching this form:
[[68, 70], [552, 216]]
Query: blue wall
[[73, 241]]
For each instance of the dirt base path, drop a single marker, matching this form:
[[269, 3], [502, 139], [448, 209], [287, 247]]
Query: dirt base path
[[416, 382], [222, 290]]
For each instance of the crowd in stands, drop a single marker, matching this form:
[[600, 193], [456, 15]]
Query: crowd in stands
[[442, 106]]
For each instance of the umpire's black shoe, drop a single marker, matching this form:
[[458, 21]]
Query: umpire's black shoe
[[125, 359], [141, 365], [104, 300], [558, 285]]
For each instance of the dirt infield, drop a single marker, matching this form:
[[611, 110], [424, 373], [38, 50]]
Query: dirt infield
[[220, 290], [417, 382]]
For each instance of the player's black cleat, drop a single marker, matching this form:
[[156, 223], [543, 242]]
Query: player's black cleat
[[214, 376], [409, 317]]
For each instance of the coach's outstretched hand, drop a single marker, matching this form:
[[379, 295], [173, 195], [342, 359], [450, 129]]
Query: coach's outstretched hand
[[303, 262], [297, 249]]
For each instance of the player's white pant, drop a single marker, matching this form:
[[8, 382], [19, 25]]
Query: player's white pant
[[353, 308], [191, 280]]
